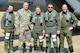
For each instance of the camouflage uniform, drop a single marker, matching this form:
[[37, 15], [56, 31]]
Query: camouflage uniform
[[37, 21], [7, 23], [52, 25], [68, 19], [22, 22]]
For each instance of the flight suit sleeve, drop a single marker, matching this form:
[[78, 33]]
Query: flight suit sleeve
[[13, 20], [33, 19], [17, 21], [43, 24], [58, 21], [75, 20], [30, 23], [2, 21]]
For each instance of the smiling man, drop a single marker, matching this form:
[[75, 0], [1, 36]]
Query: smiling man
[[68, 22]]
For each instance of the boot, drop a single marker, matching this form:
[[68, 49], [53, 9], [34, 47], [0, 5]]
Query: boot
[[48, 50], [44, 50], [40, 49], [56, 50], [61, 50], [35, 49], [71, 49]]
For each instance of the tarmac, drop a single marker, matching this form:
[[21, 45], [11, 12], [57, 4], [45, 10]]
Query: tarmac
[[75, 38]]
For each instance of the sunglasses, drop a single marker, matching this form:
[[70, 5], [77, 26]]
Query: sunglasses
[[50, 7]]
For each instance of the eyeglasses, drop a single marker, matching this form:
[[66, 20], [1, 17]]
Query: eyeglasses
[[50, 7]]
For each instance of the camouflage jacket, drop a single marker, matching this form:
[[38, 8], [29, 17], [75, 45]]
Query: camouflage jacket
[[22, 19]]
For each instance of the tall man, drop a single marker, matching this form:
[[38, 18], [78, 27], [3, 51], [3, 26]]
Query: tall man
[[7, 25], [68, 22], [23, 26], [52, 27], [37, 20]]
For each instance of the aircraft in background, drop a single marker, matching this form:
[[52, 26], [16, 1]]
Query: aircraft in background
[[74, 5]]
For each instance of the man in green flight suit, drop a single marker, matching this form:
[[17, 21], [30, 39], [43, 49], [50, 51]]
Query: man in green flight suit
[[7, 25], [52, 24], [68, 22], [38, 28]]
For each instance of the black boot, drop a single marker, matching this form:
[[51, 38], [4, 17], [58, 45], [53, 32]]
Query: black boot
[[71, 49], [56, 50], [35, 49], [40, 49]]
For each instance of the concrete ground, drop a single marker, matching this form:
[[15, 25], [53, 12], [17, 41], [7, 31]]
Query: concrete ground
[[75, 38]]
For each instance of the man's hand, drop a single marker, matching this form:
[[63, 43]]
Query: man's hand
[[18, 31], [43, 32], [3, 31], [58, 32], [70, 28]]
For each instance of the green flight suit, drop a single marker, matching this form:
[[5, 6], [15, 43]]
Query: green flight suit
[[52, 25], [37, 21], [68, 19], [7, 23]]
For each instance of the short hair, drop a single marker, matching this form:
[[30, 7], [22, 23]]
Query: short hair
[[37, 6], [64, 4], [25, 2], [10, 5], [50, 4]]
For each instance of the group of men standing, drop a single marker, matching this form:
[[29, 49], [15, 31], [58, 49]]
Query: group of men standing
[[48, 24]]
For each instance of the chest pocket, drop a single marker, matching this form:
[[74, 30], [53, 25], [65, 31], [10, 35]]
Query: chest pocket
[[37, 19], [66, 16], [25, 17], [9, 21], [50, 20]]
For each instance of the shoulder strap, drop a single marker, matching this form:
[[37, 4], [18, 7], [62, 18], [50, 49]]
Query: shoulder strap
[[46, 15], [34, 17], [60, 15], [41, 17], [68, 16], [53, 14]]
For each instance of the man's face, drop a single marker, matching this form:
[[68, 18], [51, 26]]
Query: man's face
[[38, 10], [10, 8], [64, 8], [50, 7], [25, 6]]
